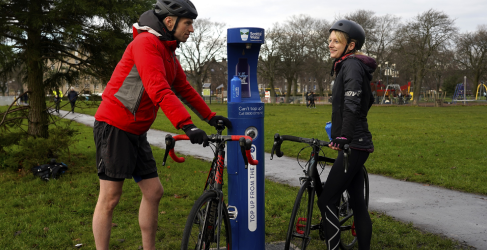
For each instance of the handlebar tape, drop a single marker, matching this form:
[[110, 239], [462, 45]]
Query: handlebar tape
[[250, 159]]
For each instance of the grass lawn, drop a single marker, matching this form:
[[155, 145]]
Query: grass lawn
[[438, 146], [57, 214]]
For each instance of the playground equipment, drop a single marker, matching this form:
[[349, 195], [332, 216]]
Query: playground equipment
[[482, 89], [461, 92], [390, 88]]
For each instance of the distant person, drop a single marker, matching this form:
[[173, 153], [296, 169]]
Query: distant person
[[72, 97], [57, 101], [307, 99], [312, 100], [148, 77], [352, 99], [26, 98]]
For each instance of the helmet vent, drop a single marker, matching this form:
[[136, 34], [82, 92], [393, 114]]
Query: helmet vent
[[176, 6], [340, 24]]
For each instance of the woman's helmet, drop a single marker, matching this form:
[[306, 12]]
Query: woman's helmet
[[180, 8], [352, 29]]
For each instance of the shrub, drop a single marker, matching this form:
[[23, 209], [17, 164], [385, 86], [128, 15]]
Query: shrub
[[21, 152]]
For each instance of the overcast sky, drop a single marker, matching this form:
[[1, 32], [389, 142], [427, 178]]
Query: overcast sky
[[468, 14]]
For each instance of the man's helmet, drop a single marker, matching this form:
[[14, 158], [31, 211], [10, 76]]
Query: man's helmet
[[180, 8], [352, 29]]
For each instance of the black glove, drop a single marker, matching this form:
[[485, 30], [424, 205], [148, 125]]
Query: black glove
[[340, 142], [196, 135], [214, 121]]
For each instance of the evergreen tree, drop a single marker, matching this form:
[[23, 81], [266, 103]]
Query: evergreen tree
[[84, 37]]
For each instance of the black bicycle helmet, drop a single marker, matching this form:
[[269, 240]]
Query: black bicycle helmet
[[180, 8], [353, 30]]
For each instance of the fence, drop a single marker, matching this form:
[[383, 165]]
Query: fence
[[6, 100]]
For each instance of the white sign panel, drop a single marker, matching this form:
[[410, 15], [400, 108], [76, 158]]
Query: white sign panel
[[252, 182]]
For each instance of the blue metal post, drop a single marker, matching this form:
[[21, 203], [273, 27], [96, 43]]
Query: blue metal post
[[246, 186]]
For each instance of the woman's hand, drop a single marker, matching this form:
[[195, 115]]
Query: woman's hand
[[338, 143]]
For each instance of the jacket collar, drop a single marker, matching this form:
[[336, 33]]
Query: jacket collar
[[368, 61], [148, 22]]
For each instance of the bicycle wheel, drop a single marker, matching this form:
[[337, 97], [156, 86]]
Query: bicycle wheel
[[348, 236], [298, 232], [201, 230]]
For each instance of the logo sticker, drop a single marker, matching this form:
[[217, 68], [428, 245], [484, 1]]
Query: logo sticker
[[244, 34]]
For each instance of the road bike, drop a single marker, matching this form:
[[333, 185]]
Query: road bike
[[305, 211], [208, 222]]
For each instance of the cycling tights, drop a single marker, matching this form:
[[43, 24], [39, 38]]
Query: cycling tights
[[336, 183]]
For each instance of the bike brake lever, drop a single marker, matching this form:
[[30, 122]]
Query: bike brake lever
[[169, 145], [242, 143], [276, 145]]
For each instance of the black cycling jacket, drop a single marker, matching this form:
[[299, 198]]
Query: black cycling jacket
[[352, 99]]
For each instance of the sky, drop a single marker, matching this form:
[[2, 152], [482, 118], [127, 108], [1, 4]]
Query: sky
[[468, 14]]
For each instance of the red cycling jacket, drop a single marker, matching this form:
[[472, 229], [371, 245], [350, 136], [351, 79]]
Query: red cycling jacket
[[147, 77]]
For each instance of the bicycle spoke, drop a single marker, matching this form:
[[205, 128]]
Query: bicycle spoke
[[204, 228]]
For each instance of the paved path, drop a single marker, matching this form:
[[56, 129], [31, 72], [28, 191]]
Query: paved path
[[458, 215]]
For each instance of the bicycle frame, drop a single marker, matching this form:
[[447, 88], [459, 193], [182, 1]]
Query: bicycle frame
[[214, 181], [311, 183]]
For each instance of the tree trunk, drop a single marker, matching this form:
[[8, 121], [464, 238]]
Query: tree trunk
[[273, 91], [38, 119], [289, 85], [199, 86], [417, 87], [295, 86]]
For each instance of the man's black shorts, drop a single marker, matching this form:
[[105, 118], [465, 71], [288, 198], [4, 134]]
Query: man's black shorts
[[120, 154]]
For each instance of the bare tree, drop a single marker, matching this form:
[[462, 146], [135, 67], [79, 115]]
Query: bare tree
[[319, 61], [294, 49], [421, 38], [368, 21], [385, 34], [472, 52], [217, 73], [269, 58], [205, 44]]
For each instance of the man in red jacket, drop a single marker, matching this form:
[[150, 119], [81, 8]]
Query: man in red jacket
[[148, 77]]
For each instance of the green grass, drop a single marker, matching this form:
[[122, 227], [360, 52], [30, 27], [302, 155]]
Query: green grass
[[58, 214], [438, 146]]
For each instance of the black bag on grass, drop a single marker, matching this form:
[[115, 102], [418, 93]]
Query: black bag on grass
[[51, 170]]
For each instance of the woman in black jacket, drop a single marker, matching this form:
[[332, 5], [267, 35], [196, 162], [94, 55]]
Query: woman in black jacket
[[352, 99]]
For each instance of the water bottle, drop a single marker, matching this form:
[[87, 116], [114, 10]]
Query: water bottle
[[236, 89], [328, 129]]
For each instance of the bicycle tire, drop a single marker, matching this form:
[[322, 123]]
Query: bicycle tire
[[298, 233], [348, 237], [194, 230]]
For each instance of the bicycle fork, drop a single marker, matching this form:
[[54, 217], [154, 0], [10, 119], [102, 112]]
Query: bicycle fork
[[209, 220]]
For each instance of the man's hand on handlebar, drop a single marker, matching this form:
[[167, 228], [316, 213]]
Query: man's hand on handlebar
[[196, 135]]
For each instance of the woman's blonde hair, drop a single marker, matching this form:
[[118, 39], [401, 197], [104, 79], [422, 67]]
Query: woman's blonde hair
[[342, 38]]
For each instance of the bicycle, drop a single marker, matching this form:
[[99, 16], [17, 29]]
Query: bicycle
[[304, 211], [209, 220]]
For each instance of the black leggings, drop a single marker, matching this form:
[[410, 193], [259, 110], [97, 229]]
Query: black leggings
[[336, 183]]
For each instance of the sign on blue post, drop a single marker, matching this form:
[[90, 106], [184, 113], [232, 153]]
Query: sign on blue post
[[246, 188]]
